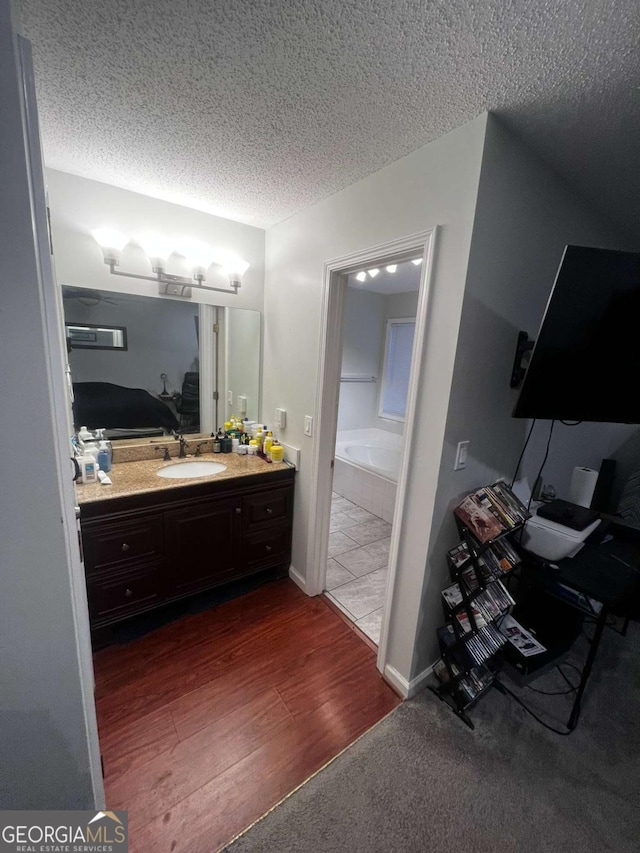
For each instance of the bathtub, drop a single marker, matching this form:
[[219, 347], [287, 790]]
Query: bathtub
[[366, 468]]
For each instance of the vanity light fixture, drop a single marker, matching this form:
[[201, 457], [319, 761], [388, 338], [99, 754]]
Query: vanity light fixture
[[159, 248], [391, 267], [374, 272], [417, 261], [362, 276]]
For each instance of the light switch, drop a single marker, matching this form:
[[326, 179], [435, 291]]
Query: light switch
[[230, 398], [280, 418], [461, 455], [308, 425], [242, 404]]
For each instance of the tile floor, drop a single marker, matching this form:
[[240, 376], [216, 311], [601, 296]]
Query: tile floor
[[358, 561]]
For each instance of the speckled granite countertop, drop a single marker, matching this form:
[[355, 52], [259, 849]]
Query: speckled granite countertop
[[134, 478]]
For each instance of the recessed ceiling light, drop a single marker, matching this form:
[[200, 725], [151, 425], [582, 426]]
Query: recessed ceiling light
[[417, 261], [392, 268], [374, 272], [362, 276]]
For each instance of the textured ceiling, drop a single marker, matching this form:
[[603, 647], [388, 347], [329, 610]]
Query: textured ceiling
[[255, 109]]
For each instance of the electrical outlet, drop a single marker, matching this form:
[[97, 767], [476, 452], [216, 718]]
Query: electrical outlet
[[280, 418], [461, 455], [308, 425], [241, 400]]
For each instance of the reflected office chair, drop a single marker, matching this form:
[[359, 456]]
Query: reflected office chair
[[188, 401]]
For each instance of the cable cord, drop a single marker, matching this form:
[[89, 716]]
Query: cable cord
[[515, 473], [535, 716], [544, 462], [571, 689]]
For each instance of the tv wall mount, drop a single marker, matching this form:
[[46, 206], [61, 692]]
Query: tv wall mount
[[521, 359]]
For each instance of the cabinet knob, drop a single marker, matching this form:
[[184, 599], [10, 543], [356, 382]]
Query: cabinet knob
[[128, 593], [238, 510], [267, 547], [125, 547], [268, 510]]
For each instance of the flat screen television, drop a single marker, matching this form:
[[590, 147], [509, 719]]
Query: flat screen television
[[585, 365]]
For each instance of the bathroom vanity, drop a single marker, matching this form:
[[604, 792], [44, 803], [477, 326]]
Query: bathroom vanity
[[149, 541]]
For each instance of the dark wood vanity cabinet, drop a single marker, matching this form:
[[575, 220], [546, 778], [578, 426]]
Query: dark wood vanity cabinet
[[144, 551], [203, 544]]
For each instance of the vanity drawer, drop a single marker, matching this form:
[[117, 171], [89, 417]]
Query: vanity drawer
[[108, 545], [268, 545], [114, 597], [268, 506]]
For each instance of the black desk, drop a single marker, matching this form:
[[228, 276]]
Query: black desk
[[606, 571]]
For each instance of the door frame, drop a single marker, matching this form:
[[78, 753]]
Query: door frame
[[330, 363]]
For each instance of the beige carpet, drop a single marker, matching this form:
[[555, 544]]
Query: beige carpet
[[422, 781]]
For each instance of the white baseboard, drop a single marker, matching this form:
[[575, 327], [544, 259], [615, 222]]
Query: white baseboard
[[298, 579], [405, 688]]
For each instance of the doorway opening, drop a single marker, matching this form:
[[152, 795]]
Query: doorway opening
[[380, 309], [351, 356]]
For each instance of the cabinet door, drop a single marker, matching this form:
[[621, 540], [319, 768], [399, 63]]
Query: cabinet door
[[202, 545]]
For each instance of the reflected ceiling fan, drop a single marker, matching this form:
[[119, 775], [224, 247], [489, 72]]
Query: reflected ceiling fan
[[87, 297]]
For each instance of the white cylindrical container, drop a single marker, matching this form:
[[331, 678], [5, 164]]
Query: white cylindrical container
[[583, 484]]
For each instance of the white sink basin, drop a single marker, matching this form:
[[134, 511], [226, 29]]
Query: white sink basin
[[192, 469]]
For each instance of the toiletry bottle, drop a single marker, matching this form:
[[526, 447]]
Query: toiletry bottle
[[253, 447], [277, 451], [268, 442], [92, 448], [217, 448], [104, 458], [88, 468], [259, 438], [85, 434]]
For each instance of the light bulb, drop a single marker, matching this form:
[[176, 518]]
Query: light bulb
[[156, 247], [232, 264], [374, 272], [111, 242], [391, 267], [196, 252], [417, 261], [362, 276]]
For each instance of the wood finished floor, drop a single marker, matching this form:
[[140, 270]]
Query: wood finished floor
[[209, 721]]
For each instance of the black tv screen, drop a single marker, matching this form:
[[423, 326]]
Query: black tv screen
[[585, 364]]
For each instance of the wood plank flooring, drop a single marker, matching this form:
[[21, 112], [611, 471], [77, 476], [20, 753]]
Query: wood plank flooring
[[208, 722]]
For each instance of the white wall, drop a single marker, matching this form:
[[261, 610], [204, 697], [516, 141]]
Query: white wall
[[242, 359], [46, 736], [161, 338], [434, 186], [78, 206], [525, 216]]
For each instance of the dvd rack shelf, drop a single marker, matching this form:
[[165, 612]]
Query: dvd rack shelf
[[469, 641]]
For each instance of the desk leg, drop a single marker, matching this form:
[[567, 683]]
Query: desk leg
[[586, 672]]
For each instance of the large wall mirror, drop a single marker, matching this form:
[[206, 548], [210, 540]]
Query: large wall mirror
[[156, 383]]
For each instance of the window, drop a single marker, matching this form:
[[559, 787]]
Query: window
[[396, 368]]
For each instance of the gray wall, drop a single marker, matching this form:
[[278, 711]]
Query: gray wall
[[161, 338], [44, 748], [525, 215], [366, 313]]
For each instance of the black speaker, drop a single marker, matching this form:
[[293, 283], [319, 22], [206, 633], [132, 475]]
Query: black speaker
[[601, 500]]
